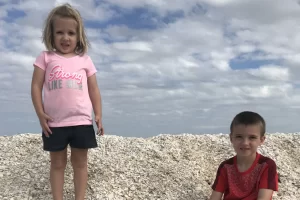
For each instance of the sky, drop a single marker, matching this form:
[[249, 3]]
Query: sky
[[165, 66]]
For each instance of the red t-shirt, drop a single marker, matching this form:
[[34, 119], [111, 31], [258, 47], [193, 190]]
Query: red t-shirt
[[245, 185]]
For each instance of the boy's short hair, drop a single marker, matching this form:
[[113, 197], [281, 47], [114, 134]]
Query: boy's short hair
[[249, 118]]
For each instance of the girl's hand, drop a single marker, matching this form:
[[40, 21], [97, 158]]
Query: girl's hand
[[98, 122], [44, 118]]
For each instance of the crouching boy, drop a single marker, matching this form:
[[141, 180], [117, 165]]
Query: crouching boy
[[248, 175]]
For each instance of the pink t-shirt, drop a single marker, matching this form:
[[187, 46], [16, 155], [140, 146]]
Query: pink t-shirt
[[66, 96]]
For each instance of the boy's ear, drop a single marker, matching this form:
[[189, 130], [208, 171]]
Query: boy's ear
[[262, 139]]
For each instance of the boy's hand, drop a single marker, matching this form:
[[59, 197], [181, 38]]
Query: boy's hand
[[44, 118], [98, 121]]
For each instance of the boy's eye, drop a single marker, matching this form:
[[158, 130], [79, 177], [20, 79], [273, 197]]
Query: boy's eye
[[238, 136]]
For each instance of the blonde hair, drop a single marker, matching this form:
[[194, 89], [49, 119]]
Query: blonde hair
[[65, 10]]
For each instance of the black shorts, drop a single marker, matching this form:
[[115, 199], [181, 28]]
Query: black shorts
[[82, 137]]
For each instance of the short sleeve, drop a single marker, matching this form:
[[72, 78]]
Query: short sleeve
[[220, 183], [269, 177], [91, 69], [40, 61]]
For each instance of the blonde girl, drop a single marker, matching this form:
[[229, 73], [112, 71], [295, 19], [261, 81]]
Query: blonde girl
[[68, 77]]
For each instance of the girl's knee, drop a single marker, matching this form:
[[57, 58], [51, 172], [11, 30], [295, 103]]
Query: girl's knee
[[58, 160], [79, 163], [79, 158], [58, 164]]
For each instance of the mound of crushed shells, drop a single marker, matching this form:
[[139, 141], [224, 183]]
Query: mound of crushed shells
[[175, 167]]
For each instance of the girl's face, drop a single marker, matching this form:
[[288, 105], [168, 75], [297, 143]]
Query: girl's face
[[65, 35]]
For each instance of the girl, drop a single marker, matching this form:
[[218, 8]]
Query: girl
[[71, 94]]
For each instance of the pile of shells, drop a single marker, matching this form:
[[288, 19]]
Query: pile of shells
[[174, 167]]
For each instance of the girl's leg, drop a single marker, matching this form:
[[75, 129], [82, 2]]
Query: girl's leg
[[57, 170], [79, 163]]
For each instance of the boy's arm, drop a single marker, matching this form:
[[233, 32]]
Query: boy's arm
[[219, 184], [216, 195], [264, 194], [268, 181]]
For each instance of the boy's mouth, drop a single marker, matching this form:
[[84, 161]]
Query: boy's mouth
[[244, 149]]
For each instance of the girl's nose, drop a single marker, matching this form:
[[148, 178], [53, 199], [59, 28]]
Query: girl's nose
[[65, 37]]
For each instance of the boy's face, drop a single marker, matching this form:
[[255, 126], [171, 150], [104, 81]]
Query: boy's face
[[246, 139]]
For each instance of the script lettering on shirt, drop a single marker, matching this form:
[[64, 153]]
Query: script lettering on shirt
[[58, 79], [57, 72]]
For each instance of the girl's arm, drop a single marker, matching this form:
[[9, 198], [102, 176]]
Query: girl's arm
[[38, 78], [95, 97], [36, 90]]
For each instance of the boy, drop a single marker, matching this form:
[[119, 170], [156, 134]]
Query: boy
[[248, 175]]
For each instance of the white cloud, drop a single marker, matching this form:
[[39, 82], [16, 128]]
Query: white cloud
[[262, 91], [5, 76], [271, 73], [220, 2], [177, 77], [133, 46], [3, 13], [17, 59]]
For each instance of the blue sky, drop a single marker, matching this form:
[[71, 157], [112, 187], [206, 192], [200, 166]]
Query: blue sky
[[166, 66]]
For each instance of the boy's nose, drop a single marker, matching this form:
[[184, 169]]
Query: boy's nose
[[246, 141]]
